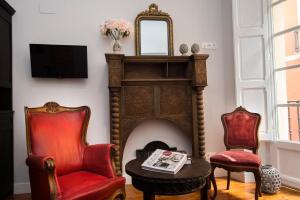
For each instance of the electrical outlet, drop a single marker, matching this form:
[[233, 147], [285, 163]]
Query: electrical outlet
[[209, 45]]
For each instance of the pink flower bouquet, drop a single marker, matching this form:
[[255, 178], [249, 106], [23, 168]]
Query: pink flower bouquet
[[116, 29]]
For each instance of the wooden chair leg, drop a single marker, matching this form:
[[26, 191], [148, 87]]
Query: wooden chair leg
[[228, 179], [213, 180], [258, 183], [208, 181], [118, 195]]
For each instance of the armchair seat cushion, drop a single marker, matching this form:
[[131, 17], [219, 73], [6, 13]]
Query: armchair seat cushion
[[88, 186], [236, 158]]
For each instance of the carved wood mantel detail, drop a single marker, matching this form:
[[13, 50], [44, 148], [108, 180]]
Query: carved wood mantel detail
[[166, 88]]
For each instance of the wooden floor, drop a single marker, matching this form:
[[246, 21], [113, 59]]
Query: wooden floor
[[238, 191]]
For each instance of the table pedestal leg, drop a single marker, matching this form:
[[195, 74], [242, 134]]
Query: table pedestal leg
[[204, 194], [204, 190], [149, 196]]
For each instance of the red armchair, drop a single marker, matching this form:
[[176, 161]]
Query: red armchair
[[240, 132], [61, 164]]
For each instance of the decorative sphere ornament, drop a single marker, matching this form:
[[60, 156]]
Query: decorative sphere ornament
[[195, 48], [183, 49], [270, 179]]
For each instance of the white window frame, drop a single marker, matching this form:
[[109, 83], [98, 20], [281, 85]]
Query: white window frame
[[253, 19], [277, 135]]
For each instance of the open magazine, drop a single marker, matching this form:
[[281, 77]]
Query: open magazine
[[165, 161]]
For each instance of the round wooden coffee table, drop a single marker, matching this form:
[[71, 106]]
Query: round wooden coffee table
[[189, 179]]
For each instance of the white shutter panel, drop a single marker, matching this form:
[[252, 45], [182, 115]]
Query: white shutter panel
[[252, 60]]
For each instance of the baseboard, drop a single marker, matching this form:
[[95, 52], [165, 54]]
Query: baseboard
[[220, 173], [245, 177], [22, 188], [290, 181], [238, 176]]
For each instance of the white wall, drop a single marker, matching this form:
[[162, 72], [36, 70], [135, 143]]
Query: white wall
[[78, 22]]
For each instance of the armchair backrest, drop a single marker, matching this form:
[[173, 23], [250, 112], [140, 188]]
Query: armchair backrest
[[241, 129], [59, 132]]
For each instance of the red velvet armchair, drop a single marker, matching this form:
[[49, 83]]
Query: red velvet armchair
[[61, 164], [240, 132]]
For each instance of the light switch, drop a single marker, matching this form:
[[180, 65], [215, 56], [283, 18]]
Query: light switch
[[209, 45]]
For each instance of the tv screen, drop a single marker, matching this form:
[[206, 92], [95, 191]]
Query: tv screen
[[58, 61]]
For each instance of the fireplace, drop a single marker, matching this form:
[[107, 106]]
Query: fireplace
[[148, 132], [146, 88]]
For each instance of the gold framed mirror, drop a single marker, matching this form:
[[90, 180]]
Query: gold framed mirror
[[153, 32]]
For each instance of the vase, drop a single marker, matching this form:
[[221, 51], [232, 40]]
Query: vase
[[270, 179], [183, 49], [117, 47]]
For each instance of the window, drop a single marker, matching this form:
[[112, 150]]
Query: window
[[286, 49]]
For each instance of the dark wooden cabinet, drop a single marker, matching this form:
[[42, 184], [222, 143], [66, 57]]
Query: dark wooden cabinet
[[6, 112], [6, 152]]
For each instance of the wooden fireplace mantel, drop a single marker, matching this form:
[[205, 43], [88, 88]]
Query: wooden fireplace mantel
[[166, 88]]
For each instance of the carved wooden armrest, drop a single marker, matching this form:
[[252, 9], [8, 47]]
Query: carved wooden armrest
[[40, 162], [45, 175]]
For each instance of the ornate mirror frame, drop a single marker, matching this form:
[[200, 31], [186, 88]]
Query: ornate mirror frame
[[153, 14]]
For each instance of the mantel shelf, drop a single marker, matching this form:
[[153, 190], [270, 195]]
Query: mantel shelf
[[156, 79], [164, 59]]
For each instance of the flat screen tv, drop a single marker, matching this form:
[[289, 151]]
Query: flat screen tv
[[58, 61]]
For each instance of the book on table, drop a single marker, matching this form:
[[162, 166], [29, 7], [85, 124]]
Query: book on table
[[165, 161]]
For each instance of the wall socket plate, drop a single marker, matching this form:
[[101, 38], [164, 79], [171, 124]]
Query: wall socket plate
[[209, 45]]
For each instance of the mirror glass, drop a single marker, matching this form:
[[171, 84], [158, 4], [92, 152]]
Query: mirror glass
[[153, 32], [154, 37]]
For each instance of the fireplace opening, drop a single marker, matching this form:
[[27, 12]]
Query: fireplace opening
[[154, 130]]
